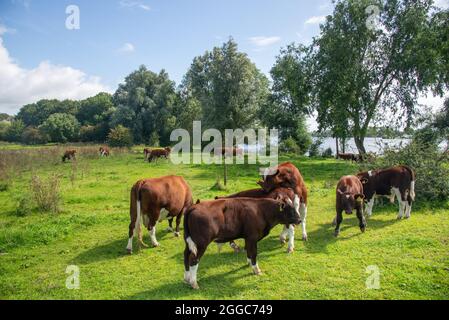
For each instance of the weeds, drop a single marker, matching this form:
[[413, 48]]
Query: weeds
[[46, 193]]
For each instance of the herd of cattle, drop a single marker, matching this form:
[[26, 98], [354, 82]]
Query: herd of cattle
[[251, 214]]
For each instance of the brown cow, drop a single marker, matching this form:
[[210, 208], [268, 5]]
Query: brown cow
[[104, 151], [159, 153], [349, 197], [69, 155], [396, 181], [286, 175], [349, 157], [225, 220], [156, 199], [274, 194]]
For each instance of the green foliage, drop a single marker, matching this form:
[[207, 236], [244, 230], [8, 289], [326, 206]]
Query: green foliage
[[430, 164], [46, 193], [145, 104], [24, 205], [120, 137], [314, 149], [96, 110], [14, 131], [36, 114], [327, 153], [33, 136], [4, 125], [61, 127], [289, 145]]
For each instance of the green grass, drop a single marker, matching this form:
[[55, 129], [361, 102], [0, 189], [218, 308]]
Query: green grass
[[91, 232]]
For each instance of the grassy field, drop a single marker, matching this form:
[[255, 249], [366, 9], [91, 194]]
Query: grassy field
[[91, 232]]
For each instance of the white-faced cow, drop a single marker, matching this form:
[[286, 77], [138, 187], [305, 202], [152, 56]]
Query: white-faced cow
[[286, 175], [274, 194], [396, 181], [154, 200], [225, 220], [349, 197]]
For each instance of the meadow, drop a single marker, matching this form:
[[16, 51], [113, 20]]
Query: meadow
[[91, 232]]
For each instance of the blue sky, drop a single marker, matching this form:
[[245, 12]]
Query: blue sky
[[116, 36]]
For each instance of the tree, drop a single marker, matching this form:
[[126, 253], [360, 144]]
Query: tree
[[120, 137], [95, 110], [36, 113], [61, 127], [14, 131], [32, 135], [229, 88], [145, 104], [363, 73]]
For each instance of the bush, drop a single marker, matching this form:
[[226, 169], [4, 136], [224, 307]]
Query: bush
[[429, 163], [120, 137], [24, 206], [32, 135], [327, 153], [46, 193], [314, 150], [61, 127], [14, 131], [289, 145]]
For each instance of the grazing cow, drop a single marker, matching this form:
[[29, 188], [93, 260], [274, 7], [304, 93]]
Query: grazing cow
[[104, 151], [225, 220], [274, 194], [349, 157], [69, 155], [159, 153], [228, 151], [286, 175], [154, 200], [146, 152], [349, 197], [396, 181]]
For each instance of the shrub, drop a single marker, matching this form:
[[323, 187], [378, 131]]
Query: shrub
[[46, 193], [314, 150], [289, 145], [61, 127], [14, 131], [24, 206], [32, 135], [327, 153], [120, 137], [429, 163]]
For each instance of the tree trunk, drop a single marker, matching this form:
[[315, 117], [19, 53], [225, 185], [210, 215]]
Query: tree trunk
[[343, 144], [225, 172], [359, 143], [336, 148]]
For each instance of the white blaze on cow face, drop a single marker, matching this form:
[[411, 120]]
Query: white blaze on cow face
[[370, 173]]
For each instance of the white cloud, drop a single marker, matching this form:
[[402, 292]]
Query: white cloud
[[4, 29], [19, 86], [127, 48], [264, 41], [443, 4], [134, 4], [315, 20]]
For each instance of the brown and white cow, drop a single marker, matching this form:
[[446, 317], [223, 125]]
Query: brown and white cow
[[225, 220], [104, 152], [154, 200], [396, 181], [349, 197], [69, 155], [286, 175], [274, 194], [159, 153]]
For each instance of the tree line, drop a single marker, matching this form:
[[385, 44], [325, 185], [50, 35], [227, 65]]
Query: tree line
[[353, 76]]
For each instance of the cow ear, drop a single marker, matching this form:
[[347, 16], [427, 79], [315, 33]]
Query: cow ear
[[364, 180]]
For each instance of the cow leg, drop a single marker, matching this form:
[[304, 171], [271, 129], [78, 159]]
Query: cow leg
[[135, 229], [303, 216], [152, 230], [170, 225], [234, 246], [251, 253], [362, 222], [402, 203], [291, 238], [369, 207], [194, 260], [284, 233], [178, 222], [186, 264], [338, 219], [409, 207]]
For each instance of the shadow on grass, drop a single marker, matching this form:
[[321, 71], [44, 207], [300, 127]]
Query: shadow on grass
[[116, 249], [321, 238]]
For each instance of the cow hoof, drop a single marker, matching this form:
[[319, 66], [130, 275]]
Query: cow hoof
[[407, 217], [362, 229], [177, 234], [334, 222], [336, 233], [195, 286], [290, 250], [156, 244], [399, 217], [304, 237], [129, 251], [258, 272], [282, 240]]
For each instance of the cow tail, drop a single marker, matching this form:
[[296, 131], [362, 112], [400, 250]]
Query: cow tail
[[188, 239], [412, 183], [135, 206]]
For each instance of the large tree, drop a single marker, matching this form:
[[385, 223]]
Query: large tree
[[228, 86], [145, 104]]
